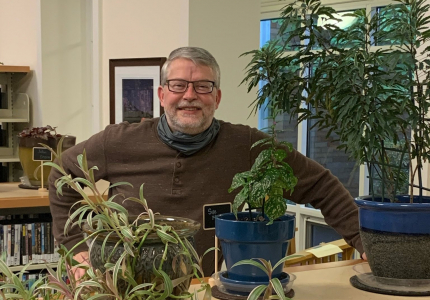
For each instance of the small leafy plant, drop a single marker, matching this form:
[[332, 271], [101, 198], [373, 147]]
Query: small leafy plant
[[270, 176], [40, 132], [274, 283]]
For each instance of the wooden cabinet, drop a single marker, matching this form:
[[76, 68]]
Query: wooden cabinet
[[14, 116]]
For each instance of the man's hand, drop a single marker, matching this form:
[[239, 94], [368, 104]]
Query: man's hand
[[364, 256], [83, 259]]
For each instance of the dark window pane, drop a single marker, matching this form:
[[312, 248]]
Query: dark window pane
[[318, 233], [400, 167], [275, 25], [387, 32], [287, 129], [324, 151], [402, 79]]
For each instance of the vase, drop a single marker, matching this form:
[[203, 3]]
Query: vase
[[150, 253], [25, 152], [396, 236]]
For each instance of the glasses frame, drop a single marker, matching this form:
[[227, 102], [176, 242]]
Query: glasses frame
[[188, 84]]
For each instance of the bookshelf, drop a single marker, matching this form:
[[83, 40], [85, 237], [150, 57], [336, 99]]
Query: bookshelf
[[17, 201]]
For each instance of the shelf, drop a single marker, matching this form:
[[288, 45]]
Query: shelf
[[9, 159], [33, 267], [11, 196], [14, 120], [14, 69], [20, 111]]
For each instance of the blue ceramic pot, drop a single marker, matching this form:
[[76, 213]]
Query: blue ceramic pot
[[246, 239], [396, 236]]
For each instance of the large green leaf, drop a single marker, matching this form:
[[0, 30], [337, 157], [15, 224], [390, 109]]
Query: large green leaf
[[275, 207], [240, 198], [240, 179]]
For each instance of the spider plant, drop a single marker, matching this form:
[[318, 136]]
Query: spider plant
[[117, 278]]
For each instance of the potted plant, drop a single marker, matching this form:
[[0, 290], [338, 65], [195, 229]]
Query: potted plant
[[266, 232], [132, 257], [375, 101], [33, 137]]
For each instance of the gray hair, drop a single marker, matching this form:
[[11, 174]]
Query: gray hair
[[198, 56]]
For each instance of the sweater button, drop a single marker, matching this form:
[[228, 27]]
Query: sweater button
[[176, 179], [178, 164]]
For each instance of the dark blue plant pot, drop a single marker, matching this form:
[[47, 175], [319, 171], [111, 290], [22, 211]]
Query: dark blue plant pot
[[246, 239], [396, 236]]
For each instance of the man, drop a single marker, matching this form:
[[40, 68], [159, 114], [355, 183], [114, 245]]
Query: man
[[187, 158]]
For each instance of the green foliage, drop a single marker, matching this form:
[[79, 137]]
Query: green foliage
[[368, 97], [109, 219], [274, 283], [263, 186]]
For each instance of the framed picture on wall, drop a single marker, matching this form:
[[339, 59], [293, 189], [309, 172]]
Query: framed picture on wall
[[133, 84]]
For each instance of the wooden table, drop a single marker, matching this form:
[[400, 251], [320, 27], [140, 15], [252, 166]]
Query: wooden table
[[329, 281], [16, 200]]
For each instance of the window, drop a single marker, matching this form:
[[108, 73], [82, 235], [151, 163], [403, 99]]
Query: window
[[317, 233]]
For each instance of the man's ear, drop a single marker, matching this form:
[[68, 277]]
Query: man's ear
[[161, 95], [218, 98]]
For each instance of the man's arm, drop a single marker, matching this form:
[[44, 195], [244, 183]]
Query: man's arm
[[320, 188], [60, 205]]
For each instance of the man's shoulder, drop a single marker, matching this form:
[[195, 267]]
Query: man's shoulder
[[126, 128], [229, 128]]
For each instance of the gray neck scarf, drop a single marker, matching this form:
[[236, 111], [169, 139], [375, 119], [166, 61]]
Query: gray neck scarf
[[185, 143]]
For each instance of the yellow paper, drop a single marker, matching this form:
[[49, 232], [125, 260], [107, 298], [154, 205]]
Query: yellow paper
[[324, 250]]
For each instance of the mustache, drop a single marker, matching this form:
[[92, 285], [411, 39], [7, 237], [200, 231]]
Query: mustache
[[192, 105]]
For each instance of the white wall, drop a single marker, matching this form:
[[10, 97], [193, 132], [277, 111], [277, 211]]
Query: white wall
[[20, 44], [138, 29], [54, 37], [227, 29], [66, 68]]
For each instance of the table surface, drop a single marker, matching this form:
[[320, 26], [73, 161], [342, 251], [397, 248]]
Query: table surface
[[329, 281], [11, 196]]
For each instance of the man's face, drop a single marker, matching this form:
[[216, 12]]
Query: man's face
[[189, 112]]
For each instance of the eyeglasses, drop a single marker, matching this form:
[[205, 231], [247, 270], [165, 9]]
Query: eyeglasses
[[200, 86]]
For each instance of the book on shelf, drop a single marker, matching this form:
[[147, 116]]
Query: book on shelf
[[28, 242], [17, 248], [9, 260], [24, 257]]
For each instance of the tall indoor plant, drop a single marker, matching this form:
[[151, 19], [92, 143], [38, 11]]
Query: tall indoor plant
[[375, 101]]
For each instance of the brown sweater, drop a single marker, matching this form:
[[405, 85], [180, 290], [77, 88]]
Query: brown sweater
[[180, 185]]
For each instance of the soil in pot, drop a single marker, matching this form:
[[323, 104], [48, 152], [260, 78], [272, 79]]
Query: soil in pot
[[404, 250]]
